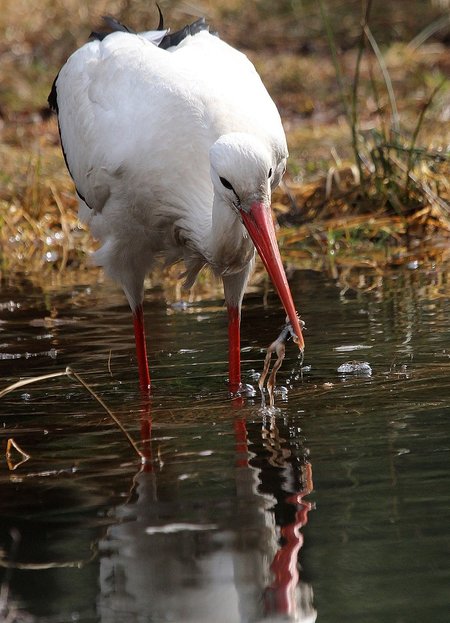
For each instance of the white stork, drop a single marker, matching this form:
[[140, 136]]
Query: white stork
[[174, 146]]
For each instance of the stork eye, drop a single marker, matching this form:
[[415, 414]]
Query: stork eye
[[270, 173], [226, 183]]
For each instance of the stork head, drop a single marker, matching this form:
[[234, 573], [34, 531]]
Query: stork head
[[244, 172]]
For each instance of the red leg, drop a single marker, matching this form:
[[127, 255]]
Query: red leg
[[234, 348], [141, 348]]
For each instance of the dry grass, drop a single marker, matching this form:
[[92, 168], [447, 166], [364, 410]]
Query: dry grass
[[39, 229], [398, 211]]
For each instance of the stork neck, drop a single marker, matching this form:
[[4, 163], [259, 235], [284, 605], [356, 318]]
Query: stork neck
[[231, 248]]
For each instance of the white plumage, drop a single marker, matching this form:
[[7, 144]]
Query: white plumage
[[169, 150]]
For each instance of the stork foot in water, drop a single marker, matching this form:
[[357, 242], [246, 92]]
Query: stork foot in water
[[175, 147]]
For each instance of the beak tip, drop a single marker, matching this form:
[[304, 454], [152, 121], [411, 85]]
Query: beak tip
[[298, 337], [300, 343]]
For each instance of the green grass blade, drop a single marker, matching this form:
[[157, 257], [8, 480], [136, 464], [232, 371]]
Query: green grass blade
[[412, 151], [337, 67], [387, 78]]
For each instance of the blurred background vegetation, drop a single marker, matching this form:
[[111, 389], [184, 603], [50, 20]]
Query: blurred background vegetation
[[366, 111]]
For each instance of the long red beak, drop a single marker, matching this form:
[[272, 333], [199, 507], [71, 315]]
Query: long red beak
[[259, 224]]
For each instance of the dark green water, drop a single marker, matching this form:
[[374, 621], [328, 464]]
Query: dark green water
[[224, 525]]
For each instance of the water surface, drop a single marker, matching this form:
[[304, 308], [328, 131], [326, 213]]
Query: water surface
[[334, 507]]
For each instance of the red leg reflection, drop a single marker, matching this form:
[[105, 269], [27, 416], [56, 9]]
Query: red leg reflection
[[146, 434], [280, 595], [240, 433]]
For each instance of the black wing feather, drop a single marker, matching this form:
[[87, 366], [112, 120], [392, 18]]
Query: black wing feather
[[52, 97], [177, 37]]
